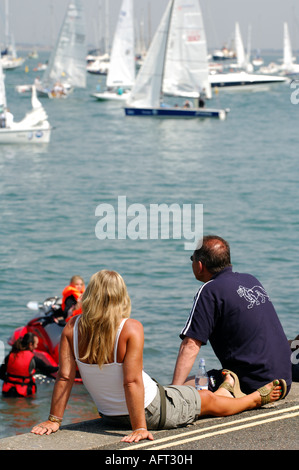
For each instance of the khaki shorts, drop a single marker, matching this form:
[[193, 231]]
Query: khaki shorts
[[183, 404]]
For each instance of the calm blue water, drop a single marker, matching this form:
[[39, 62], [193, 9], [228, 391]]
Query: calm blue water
[[243, 170]]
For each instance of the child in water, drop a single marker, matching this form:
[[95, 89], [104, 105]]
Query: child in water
[[71, 297]]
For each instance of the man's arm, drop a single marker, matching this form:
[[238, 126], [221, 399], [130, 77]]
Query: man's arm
[[187, 354]]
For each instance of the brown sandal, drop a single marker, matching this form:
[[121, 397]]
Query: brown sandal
[[265, 392], [234, 390]]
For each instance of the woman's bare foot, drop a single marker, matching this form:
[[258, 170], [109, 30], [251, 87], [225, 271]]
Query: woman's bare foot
[[269, 393], [224, 392], [228, 378]]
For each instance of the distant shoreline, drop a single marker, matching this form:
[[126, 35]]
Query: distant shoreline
[[41, 47]]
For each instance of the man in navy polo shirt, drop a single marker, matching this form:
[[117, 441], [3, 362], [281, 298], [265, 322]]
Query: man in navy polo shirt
[[234, 312]]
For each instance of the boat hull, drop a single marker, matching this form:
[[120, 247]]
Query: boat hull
[[11, 63], [46, 93], [244, 82], [177, 112], [25, 136], [97, 72], [106, 96], [24, 88]]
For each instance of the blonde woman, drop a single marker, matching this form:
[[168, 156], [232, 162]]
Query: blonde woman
[[107, 346]]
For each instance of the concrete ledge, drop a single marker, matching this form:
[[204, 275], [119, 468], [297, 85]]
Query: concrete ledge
[[87, 435], [97, 434]]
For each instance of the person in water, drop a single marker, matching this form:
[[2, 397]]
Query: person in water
[[107, 346], [71, 297], [19, 368]]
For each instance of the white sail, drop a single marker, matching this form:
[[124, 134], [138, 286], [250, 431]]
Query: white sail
[[248, 54], [240, 53], [147, 89], [122, 60], [36, 116], [67, 62], [3, 103], [186, 69], [287, 48]]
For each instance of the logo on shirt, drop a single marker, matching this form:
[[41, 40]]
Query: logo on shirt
[[255, 296]]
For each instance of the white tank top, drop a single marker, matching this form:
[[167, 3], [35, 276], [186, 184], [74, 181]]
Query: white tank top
[[105, 385]]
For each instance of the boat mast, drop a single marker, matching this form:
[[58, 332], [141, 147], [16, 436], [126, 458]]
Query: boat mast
[[7, 39], [52, 39], [107, 28], [165, 49]]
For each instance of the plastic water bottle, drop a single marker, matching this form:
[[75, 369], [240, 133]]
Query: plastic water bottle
[[201, 378]]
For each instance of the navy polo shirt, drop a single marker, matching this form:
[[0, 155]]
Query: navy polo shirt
[[234, 312]]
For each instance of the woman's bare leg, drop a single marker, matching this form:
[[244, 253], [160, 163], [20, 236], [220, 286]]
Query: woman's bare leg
[[216, 404]]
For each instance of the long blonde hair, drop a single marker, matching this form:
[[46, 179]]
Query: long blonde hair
[[104, 303]]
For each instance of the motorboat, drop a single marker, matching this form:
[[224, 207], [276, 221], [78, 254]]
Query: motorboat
[[47, 324], [224, 53], [244, 81], [99, 66], [44, 326]]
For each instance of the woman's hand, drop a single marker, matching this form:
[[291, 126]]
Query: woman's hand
[[47, 427], [138, 435]]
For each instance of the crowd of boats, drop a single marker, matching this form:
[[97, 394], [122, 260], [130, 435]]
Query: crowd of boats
[[174, 78]]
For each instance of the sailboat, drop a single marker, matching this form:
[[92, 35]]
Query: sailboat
[[67, 65], [121, 74], [146, 96], [289, 68], [243, 59], [34, 127], [9, 57], [186, 68]]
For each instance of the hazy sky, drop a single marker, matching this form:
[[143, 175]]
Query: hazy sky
[[31, 21]]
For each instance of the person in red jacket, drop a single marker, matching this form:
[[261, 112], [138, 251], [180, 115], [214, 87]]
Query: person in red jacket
[[19, 368], [71, 297]]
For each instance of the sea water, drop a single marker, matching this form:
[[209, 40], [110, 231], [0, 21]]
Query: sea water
[[243, 171]]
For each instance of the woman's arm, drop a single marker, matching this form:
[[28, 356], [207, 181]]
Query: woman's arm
[[133, 381], [63, 385]]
